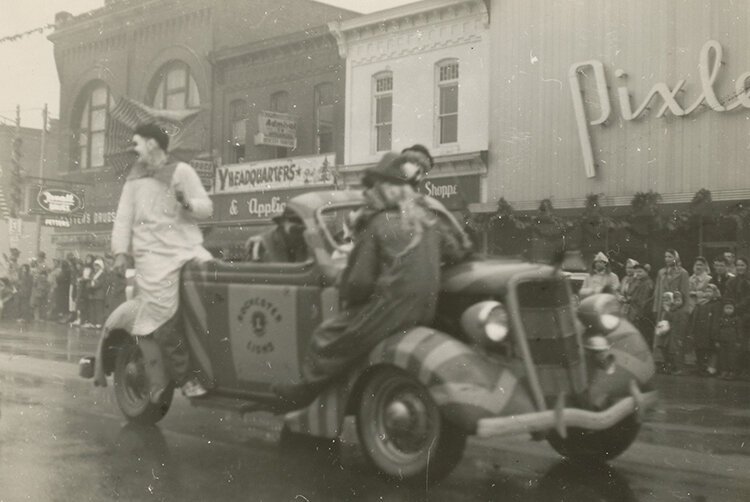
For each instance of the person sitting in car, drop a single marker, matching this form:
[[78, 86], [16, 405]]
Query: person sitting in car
[[284, 243], [390, 284]]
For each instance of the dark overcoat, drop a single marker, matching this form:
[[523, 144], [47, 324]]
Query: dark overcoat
[[389, 286]]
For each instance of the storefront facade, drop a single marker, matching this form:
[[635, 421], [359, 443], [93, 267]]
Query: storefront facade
[[418, 74], [247, 196], [622, 101], [165, 59]]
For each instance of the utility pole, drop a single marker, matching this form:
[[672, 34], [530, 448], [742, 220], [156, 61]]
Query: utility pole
[[42, 160]]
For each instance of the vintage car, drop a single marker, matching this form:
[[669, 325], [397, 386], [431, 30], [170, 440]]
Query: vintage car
[[508, 353]]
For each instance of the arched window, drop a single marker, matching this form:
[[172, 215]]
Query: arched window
[[324, 101], [238, 115], [174, 87], [447, 96], [90, 127], [383, 110]]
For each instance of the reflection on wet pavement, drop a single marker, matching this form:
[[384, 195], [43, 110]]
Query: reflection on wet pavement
[[47, 340]]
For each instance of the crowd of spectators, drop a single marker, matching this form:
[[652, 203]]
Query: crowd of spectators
[[72, 291], [695, 323]]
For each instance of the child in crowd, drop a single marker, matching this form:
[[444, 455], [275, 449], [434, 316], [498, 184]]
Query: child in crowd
[[729, 341], [6, 294], [662, 334], [703, 323], [679, 342], [97, 292]]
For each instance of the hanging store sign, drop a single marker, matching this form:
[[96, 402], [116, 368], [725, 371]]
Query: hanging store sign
[[205, 171], [58, 201], [597, 101], [15, 231], [277, 174], [276, 129]]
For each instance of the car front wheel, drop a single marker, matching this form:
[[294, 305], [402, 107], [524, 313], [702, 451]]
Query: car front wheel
[[599, 446], [132, 388], [402, 431]]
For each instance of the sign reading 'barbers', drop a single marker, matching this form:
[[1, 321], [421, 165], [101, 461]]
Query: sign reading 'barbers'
[[277, 174]]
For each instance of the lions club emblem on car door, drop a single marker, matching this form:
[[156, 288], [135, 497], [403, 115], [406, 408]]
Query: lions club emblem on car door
[[260, 316]]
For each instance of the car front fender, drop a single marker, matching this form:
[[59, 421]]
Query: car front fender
[[114, 334], [466, 385], [632, 362]]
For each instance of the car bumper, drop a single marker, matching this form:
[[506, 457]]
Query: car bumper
[[561, 418]]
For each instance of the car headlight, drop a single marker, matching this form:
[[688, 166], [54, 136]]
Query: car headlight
[[485, 322], [600, 313]]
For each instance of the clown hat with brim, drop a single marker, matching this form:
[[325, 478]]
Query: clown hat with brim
[[388, 169]]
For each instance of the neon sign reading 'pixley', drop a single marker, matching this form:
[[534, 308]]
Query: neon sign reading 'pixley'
[[708, 68]]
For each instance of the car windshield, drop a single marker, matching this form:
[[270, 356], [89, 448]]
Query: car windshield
[[335, 223]]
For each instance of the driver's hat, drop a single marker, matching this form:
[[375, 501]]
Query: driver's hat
[[390, 169], [288, 215]]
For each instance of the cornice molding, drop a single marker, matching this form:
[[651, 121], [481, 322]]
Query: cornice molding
[[123, 15], [411, 17], [144, 32], [414, 14], [321, 43], [280, 77], [372, 54]]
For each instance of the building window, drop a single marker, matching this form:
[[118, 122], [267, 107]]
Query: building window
[[280, 104], [90, 129], [174, 88], [383, 97], [238, 115], [324, 102], [447, 102]]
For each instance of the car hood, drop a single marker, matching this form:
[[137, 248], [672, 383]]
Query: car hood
[[490, 276]]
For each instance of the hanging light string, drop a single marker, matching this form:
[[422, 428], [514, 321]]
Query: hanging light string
[[18, 36]]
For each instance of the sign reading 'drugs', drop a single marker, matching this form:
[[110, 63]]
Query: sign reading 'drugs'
[[277, 174]]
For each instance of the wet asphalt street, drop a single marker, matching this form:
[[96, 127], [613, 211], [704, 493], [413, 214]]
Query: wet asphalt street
[[61, 439]]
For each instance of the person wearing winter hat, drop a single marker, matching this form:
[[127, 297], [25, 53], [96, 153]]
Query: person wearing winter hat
[[96, 294], [623, 292], [639, 302], [285, 243], [670, 278], [600, 279], [390, 284]]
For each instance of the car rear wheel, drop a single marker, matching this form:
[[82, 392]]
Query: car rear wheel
[[132, 388], [599, 446], [402, 431]]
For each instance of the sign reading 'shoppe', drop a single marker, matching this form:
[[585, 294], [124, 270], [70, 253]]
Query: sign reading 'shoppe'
[[58, 201]]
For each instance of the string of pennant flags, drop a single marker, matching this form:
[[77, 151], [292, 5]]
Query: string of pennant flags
[[18, 36]]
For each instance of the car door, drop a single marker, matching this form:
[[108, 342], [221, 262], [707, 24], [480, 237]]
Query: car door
[[250, 322]]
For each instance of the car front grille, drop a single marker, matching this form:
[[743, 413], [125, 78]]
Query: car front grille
[[549, 324]]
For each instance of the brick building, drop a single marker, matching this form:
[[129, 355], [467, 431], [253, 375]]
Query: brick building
[[160, 54]]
